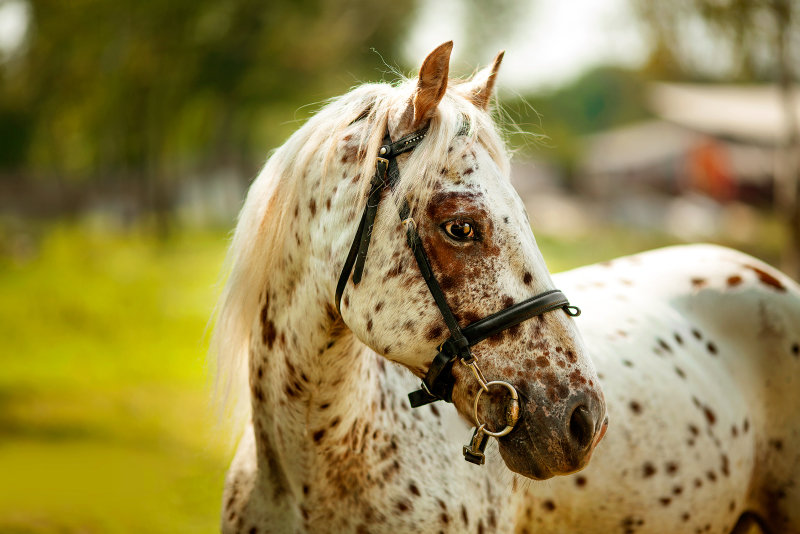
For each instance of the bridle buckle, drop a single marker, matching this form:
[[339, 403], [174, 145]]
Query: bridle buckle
[[474, 452]]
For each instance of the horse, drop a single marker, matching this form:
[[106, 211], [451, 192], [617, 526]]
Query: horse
[[677, 380]]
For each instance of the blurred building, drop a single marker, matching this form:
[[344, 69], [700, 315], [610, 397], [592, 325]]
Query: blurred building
[[709, 146], [721, 141]]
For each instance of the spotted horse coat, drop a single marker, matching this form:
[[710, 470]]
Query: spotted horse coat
[[332, 445], [698, 351]]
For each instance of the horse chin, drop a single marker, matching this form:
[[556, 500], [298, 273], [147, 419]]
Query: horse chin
[[538, 459], [525, 465]]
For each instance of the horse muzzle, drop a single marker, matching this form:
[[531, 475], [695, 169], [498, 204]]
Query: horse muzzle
[[552, 439]]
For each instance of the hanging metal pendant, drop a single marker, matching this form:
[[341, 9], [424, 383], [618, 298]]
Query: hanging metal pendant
[[474, 452]]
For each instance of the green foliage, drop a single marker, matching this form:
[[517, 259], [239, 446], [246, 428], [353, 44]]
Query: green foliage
[[600, 99], [148, 90], [732, 40]]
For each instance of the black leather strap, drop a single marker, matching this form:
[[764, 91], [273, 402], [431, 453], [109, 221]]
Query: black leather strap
[[459, 342], [442, 387], [439, 386], [386, 175], [522, 311], [348, 263], [377, 185]]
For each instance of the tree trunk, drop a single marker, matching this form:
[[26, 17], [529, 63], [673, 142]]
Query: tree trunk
[[787, 185]]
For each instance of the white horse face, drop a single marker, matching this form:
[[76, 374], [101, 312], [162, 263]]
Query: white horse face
[[477, 236]]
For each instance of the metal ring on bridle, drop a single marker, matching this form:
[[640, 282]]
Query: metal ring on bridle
[[512, 413]]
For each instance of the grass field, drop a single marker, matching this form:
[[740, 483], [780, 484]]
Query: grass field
[[105, 424], [105, 418]]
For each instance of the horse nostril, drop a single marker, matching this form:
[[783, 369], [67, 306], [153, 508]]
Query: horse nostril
[[581, 427]]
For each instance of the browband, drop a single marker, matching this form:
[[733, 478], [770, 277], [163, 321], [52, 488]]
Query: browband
[[438, 381]]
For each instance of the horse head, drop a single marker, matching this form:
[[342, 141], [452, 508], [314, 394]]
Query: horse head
[[453, 189]]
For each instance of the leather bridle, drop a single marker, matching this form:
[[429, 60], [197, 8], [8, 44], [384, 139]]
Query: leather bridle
[[438, 382]]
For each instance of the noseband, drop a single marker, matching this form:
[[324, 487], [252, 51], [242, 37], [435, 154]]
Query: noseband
[[438, 382]]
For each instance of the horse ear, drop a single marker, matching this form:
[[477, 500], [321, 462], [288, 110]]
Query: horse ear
[[432, 83], [480, 88]]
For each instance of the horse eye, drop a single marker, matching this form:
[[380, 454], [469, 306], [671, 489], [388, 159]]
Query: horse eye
[[459, 230]]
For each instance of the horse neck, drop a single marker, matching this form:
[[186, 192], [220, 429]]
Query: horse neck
[[310, 378]]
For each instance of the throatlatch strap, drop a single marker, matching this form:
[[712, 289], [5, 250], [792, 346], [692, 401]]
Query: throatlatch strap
[[370, 211], [360, 245], [348, 263]]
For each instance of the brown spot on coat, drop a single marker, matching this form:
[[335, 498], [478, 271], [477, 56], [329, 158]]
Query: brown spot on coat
[[671, 468], [710, 416], [725, 468], [648, 470], [403, 506], [734, 280], [435, 332], [767, 279]]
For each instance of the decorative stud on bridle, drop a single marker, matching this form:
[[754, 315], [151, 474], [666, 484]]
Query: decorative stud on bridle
[[438, 382]]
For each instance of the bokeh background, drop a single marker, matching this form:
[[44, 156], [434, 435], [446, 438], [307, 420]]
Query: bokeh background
[[130, 129]]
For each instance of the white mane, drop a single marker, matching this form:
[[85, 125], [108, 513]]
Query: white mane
[[264, 219]]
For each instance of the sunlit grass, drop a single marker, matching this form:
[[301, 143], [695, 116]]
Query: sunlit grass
[[105, 421]]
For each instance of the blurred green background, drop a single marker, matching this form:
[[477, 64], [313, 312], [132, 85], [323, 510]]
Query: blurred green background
[[129, 131]]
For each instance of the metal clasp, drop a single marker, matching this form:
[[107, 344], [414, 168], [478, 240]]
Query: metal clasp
[[474, 452], [512, 411], [473, 366], [382, 167]]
